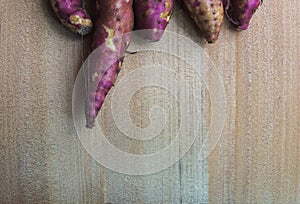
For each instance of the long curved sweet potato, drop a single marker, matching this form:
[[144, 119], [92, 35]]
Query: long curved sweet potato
[[208, 15], [240, 12], [115, 18], [153, 15], [72, 15]]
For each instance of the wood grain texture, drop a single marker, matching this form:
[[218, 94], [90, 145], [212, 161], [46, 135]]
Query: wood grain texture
[[257, 159]]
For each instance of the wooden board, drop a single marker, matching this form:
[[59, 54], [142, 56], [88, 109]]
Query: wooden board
[[255, 161]]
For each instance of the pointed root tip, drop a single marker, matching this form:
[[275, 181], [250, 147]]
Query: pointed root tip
[[212, 38], [152, 36], [90, 122], [242, 27], [89, 126]]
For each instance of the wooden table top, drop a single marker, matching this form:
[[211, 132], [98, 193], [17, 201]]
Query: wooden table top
[[257, 159]]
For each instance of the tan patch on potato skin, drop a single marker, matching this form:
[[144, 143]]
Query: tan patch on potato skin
[[165, 15], [95, 76], [77, 20], [109, 39], [168, 4]]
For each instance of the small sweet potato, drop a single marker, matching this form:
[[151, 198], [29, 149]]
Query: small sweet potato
[[153, 15], [240, 12], [115, 18], [72, 15], [208, 15]]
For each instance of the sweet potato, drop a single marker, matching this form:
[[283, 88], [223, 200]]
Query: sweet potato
[[72, 15], [208, 15], [153, 15], [240, 12], [115, 18]]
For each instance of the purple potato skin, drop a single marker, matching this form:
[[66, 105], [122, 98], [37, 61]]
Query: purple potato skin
[[72, 15], [208, 15], [115, 18], [240, 12], [153, 15]]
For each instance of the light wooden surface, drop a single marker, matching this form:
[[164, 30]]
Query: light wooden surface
[[256, 160]]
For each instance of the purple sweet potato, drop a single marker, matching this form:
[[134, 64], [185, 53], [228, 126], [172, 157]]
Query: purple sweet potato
[[115, 18], [153, 15], [240, 12], [208, 15], [72, 15]]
